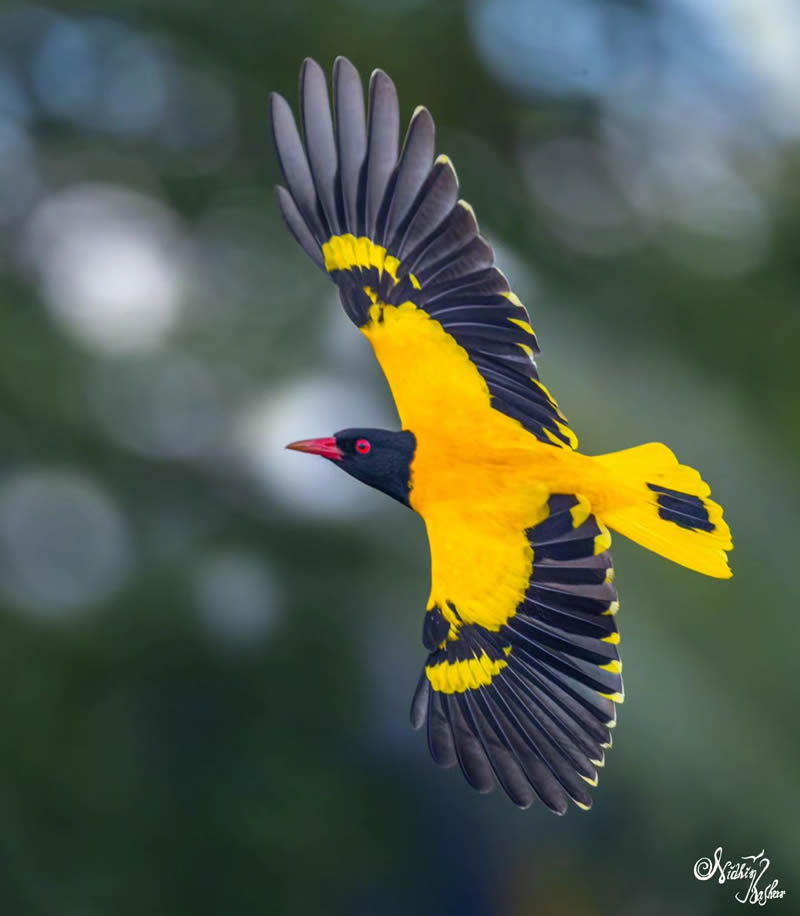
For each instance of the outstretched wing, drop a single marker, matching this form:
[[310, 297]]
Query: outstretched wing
[[412, 269], [522, 678]]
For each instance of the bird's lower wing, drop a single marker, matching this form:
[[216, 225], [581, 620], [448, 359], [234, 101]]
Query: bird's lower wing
[[523, 673], [412, 269]]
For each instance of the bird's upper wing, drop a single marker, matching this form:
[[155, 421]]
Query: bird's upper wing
[[412, 269], [524, 669]]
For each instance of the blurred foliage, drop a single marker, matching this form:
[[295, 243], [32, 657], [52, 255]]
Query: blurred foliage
[[208, 651]]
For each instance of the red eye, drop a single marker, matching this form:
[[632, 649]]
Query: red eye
[[363, 447]]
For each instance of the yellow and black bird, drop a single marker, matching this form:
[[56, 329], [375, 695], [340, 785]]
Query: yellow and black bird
[[523, 674]]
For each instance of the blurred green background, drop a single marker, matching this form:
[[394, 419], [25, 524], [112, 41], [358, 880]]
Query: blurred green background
[[208, 645]]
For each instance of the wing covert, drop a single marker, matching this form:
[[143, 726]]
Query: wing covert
[[391, 231]]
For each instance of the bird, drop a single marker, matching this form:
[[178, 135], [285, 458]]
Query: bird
[[523, 673]]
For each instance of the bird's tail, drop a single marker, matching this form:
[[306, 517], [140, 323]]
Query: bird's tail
[[671, 513]]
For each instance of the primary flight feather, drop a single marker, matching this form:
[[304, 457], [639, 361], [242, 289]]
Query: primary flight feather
[[523, 671]]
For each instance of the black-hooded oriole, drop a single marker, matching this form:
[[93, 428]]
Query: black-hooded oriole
[[523, 674]]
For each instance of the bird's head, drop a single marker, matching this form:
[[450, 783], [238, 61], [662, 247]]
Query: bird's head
[[377, 457]]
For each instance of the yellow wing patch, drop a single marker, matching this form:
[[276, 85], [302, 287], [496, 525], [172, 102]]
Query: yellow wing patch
[[469, 674], [346, 252]]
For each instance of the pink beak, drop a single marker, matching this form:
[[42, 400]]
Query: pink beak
[[326, 447]]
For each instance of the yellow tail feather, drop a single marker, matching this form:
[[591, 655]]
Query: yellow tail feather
[[670, 513]]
